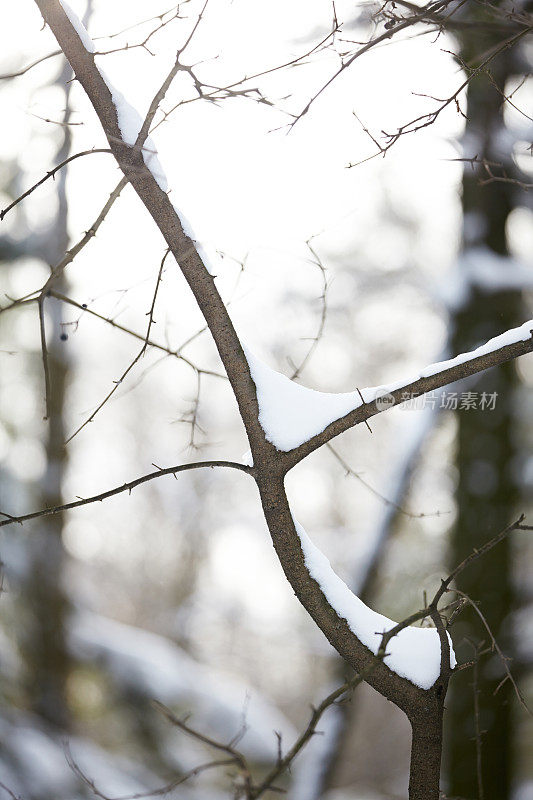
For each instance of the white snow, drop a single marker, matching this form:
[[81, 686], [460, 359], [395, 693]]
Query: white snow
[[521, 334], [291, 414], [206, 251], [80, 28], [128, 118], [130, 123], [414, 653]]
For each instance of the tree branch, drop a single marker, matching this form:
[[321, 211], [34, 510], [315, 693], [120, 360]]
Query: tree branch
[[125, 487], [175, 352], [51, 174], [411, 390]]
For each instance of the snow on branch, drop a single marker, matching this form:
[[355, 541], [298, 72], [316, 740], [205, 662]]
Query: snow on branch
[[129, 120], [290, 413], [294, 417], [414, 653], [78, 26]]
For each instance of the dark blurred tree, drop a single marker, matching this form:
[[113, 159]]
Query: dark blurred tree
[[488, 446], [43, 643]]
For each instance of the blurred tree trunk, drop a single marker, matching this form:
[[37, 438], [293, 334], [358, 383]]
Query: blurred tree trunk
[[488, 492], [44, 648]]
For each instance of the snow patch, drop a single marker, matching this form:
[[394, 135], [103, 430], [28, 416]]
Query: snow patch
[[414, 653], [291, 414], [520, 334], [205, 249], [130, 122], [79, 27]]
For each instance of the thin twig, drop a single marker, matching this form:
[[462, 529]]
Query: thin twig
[[44, 358], [56, 273], [284, 762], [51, 174], [135, 360], [10, 792], [323, 313], [161, 790], [125, 487], [154, 298], [353, 474], [496, 646], [176, 352], [235, 754]]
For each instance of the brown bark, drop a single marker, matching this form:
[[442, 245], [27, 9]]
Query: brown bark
[[426, 750]]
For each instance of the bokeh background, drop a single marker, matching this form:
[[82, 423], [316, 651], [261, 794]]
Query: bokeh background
[[173, 592]]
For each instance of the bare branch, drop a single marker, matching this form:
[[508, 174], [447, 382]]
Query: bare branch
[[57, 271], [161, 24], [236, 756], [44, 357], [495, 646], [419, 16], [429, 118], [151, 312], [479, 553], [125, 487], [161, 790], [33, 64], [10, 792], [137, 358], [285, 762], [51, 174], [175, 352], [323, 313], [353, 474]]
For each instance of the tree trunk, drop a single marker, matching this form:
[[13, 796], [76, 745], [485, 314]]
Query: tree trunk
[[426, 752], [44, 647], [487, 493]]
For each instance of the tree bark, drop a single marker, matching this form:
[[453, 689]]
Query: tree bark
[[426, 750]]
